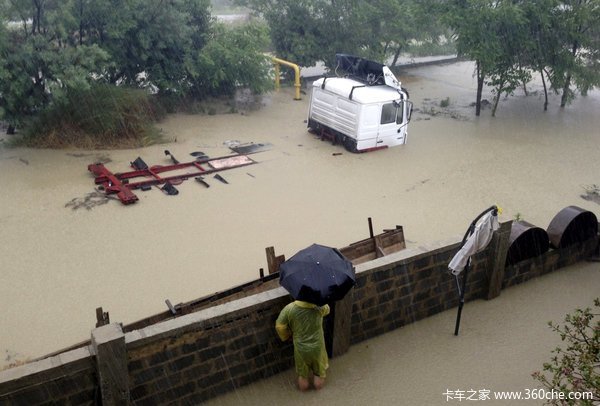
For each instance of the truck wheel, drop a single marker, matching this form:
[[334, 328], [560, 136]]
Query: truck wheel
[[338, 139], [350, 144]]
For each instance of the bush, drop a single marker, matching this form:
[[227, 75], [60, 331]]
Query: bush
[[103, 116], [576, 368]]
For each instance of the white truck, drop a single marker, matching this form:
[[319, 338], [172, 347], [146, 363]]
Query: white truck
[[366, 109]]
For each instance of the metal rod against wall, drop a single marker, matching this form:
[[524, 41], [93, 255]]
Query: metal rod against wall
[[465, 272]]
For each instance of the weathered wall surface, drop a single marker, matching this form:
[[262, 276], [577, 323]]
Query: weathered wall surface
[[414, 286], [68, 378], [200, 355]]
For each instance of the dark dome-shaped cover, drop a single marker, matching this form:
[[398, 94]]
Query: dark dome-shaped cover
[[572, 225], [526, 241]]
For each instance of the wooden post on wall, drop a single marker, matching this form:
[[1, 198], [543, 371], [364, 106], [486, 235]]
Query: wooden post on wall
[[108, 342], [273, 261], [497, 261]]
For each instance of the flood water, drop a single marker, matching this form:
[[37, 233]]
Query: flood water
[[64, 250], [501, 342]]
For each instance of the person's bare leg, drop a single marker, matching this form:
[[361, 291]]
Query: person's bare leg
[[319, 382], [303, 384]]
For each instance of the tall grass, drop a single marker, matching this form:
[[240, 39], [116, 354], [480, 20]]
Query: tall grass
[[103, 116]]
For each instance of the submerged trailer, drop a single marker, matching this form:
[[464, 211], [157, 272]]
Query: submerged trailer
[[365, 109]]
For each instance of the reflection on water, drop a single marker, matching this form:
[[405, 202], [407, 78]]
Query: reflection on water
[[59, 264]]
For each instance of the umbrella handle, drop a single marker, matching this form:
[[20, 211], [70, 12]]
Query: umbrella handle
[[457, 285], [493, 209], [461, 293]]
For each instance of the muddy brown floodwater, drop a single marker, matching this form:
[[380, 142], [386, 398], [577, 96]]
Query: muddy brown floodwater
[[501, 342], [65, 250]]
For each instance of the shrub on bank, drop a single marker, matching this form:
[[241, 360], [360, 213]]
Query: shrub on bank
[[103, 116]]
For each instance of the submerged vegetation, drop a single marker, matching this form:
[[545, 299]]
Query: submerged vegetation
[[102, 116]]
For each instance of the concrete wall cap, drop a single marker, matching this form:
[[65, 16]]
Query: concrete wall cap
[[35, 367], [409, 254], [107, 333], [188, 320]]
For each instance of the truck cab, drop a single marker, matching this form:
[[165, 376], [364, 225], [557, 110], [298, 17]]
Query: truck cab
[[363, 111]]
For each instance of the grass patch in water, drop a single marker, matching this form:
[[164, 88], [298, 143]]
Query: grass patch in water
[[103, 116]]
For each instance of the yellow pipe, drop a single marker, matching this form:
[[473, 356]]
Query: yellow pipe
[[296, 75]]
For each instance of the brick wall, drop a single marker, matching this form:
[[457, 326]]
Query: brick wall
[[547, 262], [68, 378], [197, 356], [200, 355], [408, 286]]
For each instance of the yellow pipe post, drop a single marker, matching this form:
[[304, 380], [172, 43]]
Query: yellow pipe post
[[296, 68]]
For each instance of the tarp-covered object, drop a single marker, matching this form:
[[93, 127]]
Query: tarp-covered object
[[359, 68]]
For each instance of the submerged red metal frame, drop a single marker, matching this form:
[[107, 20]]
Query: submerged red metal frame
[[119, 183]]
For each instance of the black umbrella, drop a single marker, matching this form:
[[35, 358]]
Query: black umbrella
[[317, 274]]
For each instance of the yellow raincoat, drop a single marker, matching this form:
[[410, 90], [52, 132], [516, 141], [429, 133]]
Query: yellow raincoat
[[304, 323]]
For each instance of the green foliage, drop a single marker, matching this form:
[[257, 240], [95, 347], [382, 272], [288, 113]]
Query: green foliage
[[445, 102], [401, 26], [577, 59], [506, 71], [149, 41], [57, 50], [296, 28], [37, 62], [575, 368], [233, 57], [508, 39], [482, 31], [100, 116], [431, 47], [310, 31]]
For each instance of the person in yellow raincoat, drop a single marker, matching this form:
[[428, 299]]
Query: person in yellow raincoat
[[303, 322]]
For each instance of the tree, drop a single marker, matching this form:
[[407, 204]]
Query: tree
[[496, 35], [149, 41], [37, 61], [469, 20], [507, 38], [385, 28], [542, 43], [507, 69], [311, 31], [578, 59], [169, 46], [232, 58], [575, 368], [3, 47]]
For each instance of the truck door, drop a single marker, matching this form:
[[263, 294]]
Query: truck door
[[394, 122], [389, 133]]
